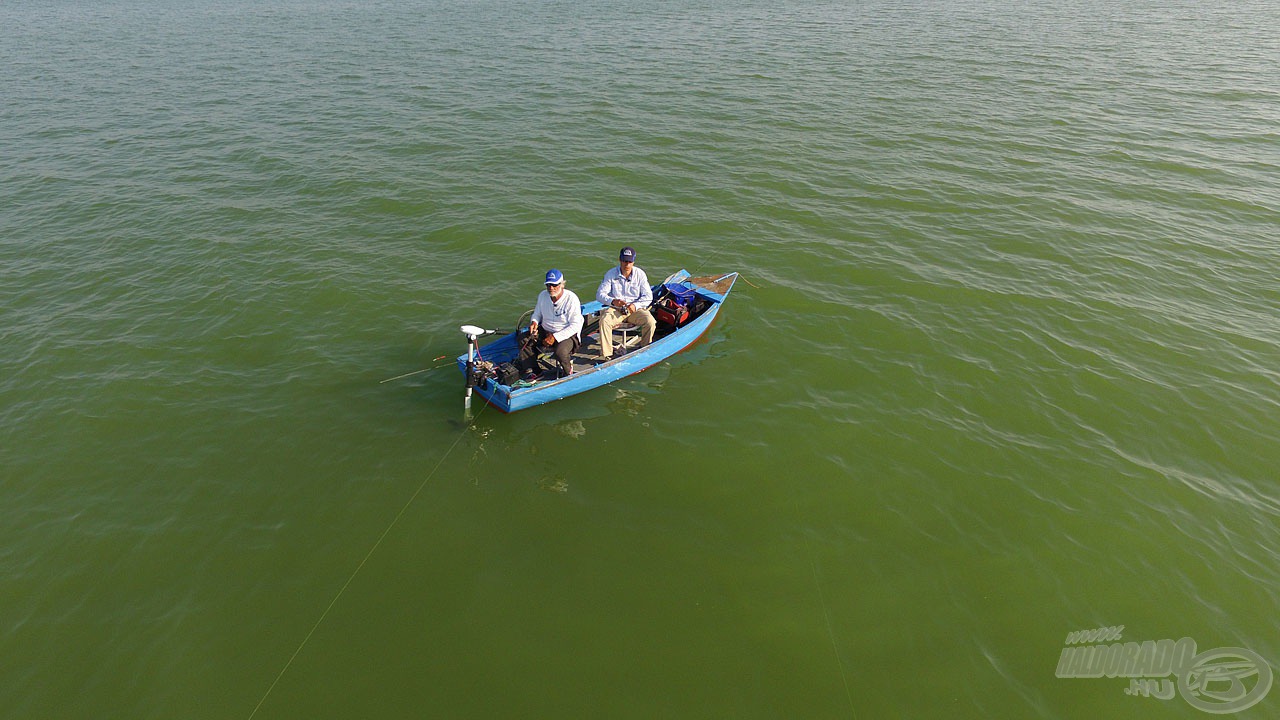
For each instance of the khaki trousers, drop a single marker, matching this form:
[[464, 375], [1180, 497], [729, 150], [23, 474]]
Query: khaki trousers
[[612, 317]]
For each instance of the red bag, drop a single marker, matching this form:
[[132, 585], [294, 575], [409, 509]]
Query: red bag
[[669, 313]]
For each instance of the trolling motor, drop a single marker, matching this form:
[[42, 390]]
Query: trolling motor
[[474, 374]]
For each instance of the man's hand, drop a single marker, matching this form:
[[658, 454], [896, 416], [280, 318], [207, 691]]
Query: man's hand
[[533, 328], [549, 340]]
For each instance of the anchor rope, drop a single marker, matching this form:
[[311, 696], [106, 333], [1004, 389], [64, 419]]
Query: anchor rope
[[355, 572]]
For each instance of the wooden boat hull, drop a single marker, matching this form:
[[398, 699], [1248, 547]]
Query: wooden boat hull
[[713, 289]]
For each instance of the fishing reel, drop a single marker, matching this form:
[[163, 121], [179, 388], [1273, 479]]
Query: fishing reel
[[523, 337]]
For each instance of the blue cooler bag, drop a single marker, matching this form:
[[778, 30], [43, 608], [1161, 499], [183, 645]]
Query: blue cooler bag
[[672, 306]]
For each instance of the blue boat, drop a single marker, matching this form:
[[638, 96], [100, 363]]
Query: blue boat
[[701, 297]]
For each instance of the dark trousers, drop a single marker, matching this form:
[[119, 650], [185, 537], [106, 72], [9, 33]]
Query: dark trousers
[[563, 351]]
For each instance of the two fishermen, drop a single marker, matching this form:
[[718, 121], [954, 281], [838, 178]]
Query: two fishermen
[[557, 321]]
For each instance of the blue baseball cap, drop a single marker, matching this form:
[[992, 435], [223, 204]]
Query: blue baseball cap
[[627, 255], [554, 277]]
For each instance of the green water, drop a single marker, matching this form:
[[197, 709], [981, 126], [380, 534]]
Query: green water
[[1005, 368]]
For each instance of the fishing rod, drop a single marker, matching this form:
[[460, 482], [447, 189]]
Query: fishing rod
[[465, 328]]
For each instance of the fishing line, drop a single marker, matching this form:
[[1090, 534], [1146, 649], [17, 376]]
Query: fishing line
[[718, 252], [415, 372], [817, 580], [714, 255], [705, 261], [368, 555], [826, 614]]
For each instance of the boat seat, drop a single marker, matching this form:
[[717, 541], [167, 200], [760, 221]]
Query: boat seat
[[629, 335], [547, 362]]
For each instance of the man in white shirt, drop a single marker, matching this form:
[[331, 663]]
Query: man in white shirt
[[557, 321], [625, 295]]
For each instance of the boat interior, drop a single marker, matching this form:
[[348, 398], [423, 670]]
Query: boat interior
[[675, 306], [626, 339]]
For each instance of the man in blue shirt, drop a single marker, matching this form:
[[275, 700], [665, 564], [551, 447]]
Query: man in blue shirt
[[626, 296], [556, 323]]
